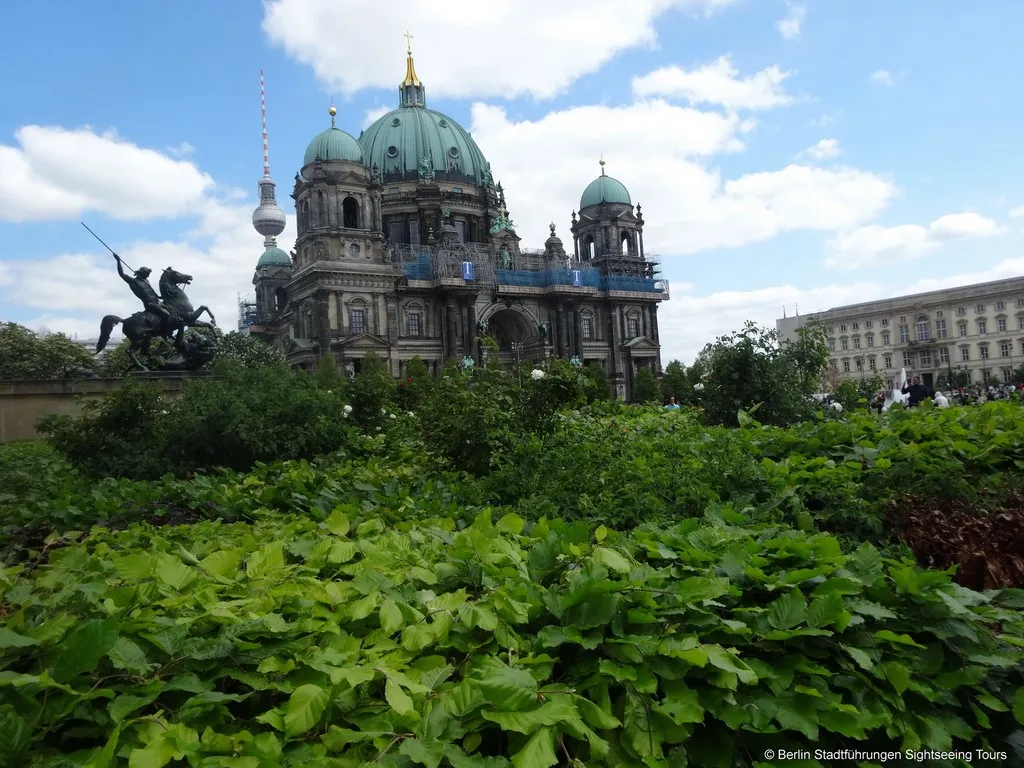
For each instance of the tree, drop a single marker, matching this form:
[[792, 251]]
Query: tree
[[417, 385], [962, 379], [676, 383], [749, 367], [249, 351], [602, 384], [645, 387], [25, 354], [810, 354], [370, 392]]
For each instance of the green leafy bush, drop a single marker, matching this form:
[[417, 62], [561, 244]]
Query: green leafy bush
[[343, 642], [233, 419]]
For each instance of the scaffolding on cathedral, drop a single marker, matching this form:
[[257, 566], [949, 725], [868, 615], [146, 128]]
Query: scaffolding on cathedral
[[494, 267], [248, 312]]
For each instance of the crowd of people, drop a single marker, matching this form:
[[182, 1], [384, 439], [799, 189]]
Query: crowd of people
[[915, 392]]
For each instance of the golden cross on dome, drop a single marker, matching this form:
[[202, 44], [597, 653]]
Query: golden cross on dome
[[408, 42]]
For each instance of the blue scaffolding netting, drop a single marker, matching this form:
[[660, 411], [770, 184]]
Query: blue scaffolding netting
[[422, 269]]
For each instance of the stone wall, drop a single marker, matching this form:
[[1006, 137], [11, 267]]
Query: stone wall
[[23, 403]]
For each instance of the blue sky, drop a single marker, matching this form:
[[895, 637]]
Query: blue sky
[[813, 153]]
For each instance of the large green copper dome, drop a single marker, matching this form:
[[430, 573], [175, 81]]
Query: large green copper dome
[[399, 142], [333, 144], [605, 189], [412, 141]]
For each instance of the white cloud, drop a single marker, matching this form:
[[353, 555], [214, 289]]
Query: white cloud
[[824, 149], [689, 321], [372, 115], [659, 151], [789, 27], [550, 45], [882, 77], [1017, 213], [873, 245], [821, 122], [58, 173], [182, 150], [717, 83]]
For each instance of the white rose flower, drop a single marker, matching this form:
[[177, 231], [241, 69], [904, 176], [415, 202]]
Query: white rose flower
[[537, 374], [392, 415], [347, 409]]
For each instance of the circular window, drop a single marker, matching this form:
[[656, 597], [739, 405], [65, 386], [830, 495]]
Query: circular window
[[442, 123], [354, 249], [396, 122], [392, 151], [453, 152]]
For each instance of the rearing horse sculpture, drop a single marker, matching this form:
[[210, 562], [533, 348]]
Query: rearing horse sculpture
[[142, 327]]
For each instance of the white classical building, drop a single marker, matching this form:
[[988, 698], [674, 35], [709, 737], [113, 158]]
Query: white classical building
[[973, 332]]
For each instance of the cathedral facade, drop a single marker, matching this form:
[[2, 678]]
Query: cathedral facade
[[405, 248]]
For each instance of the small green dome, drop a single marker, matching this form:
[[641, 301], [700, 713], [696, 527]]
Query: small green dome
[[333, 144], [605, 189], [274, 257], [398, 142]]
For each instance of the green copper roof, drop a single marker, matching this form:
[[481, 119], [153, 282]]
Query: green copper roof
[[414, 142], [605, 189], [333, 144], [274, 257]]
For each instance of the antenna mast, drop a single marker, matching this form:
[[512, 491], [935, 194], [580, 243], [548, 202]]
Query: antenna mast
[[263, 113]]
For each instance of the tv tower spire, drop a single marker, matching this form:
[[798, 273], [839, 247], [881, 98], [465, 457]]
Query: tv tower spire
[[268, 219]]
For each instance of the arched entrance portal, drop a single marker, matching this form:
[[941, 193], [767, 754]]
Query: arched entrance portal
[[516, 335]]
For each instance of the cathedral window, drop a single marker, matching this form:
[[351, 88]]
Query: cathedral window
[[632, 327], [357, 320], [626, 247], [413, 324], [350, 213], [588, 247], [414, 231], [588, 328]]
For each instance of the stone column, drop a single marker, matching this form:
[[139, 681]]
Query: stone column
[[577, 328], [471, 349], [452, 326], [614, 343], [561, 342], [654, 326], [640, 237]]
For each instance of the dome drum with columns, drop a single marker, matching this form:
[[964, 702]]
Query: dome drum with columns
[[406, 247]]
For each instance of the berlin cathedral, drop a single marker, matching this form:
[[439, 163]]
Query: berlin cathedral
[[405, 248]]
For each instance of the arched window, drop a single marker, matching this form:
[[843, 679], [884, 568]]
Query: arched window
[[350, 213], [924, 331], [280, 299], [588, 247], [625, 246]]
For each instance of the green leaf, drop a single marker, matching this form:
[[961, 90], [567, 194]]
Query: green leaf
[[304, 709], [428, 753], [892, 637], [788, 611], [1018, 706], [600, 534], [390, 616], [510, 523], [681, 705], [83, 647], [727, 660], [15, 738], [552, 712], [338, 523], [538, 752], [266, 562], [127, 703], [128, 656], [11, 639], [612, 559], [861, 657], [223, 564], [508, 689], [825, 610], [397, 699]]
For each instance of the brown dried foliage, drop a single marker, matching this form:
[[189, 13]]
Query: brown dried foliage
[[986, 545]]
